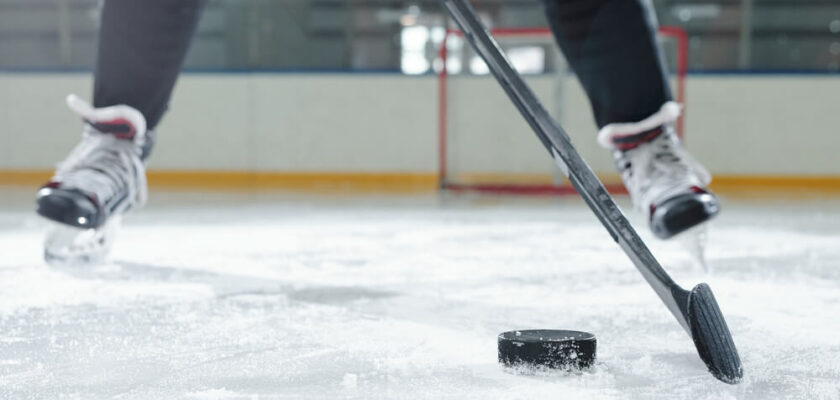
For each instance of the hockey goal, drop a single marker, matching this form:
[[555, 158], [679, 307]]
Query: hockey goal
[[484, 144]]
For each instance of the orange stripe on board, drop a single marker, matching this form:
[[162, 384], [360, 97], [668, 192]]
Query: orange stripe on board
[[307, 181], [24, 177], [790, 184], [500, 178], [402, 182], [397, 182]]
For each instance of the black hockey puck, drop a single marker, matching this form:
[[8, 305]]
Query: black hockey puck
[[546, 348]]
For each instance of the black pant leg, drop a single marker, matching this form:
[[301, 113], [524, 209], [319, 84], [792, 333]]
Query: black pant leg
[[142, 44], [612, 47]]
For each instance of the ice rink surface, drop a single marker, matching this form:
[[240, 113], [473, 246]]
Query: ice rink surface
[[286, 297]]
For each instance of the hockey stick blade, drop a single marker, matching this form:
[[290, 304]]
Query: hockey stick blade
[[711, 336], [697, 311]]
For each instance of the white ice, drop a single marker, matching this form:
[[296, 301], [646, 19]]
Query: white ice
[[285, 296]]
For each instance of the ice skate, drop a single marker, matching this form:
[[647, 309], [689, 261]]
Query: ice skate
[[102, 179], [664, 181]]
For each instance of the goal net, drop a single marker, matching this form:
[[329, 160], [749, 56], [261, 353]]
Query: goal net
[[485, 145]]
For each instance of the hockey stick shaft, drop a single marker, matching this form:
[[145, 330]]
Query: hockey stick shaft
[[558, 144]]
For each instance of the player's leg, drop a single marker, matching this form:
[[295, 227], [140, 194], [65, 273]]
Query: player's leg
[[612, 47], [142, 45]]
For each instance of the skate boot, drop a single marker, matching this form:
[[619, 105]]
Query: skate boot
[[102, 179], [664, 181]]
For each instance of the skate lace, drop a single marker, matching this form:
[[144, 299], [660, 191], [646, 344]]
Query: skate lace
[[657, 170], [108, 167]]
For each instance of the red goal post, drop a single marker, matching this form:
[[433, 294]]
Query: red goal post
[[679, 70]]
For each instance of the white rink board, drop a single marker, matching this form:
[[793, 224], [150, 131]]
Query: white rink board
[[736, 124], [485, 129], [402, 298]]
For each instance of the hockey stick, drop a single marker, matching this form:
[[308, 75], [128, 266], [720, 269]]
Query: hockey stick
[[696, 310]]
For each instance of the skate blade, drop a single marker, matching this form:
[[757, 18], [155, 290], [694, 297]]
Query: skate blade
[[694, 241], [69, 246]]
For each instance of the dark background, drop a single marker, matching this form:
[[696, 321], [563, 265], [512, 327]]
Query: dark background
[[725, 36]]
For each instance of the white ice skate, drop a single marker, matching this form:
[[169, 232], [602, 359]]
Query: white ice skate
[[102, 179], [664, 181]]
